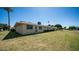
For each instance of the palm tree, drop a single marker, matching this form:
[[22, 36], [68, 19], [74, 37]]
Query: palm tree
[[8, 10]]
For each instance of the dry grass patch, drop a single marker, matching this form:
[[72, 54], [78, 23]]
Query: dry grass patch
[[56, 41]]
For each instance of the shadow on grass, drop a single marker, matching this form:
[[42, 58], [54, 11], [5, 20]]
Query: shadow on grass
[[11, 35]]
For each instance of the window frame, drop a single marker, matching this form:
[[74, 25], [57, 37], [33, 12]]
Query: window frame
[[40, 27], [29, 27]]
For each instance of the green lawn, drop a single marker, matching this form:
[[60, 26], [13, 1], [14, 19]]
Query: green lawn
[[49, 41]]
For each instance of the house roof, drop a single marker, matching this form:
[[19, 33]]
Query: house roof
[[26, 23]]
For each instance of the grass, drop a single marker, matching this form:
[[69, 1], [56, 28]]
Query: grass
[[49, 41], [3, 34]]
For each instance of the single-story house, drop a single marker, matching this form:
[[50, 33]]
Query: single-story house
[[29, 28]]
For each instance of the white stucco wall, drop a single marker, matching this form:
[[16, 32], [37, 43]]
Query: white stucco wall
[[22, 29], [19, 29]]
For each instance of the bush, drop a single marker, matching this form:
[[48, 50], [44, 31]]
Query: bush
[[72, 28], [59, 26], [13, 30]]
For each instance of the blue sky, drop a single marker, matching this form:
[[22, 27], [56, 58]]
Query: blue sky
[[66, 16]]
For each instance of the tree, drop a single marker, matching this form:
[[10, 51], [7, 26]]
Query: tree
[[39, 23], [72, 28], [8, 10], [77, 28], [59, 26], [49, 25], [4, 26]]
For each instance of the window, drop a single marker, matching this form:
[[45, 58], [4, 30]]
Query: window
[[29, 26], [35, 27], [40, 28]]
